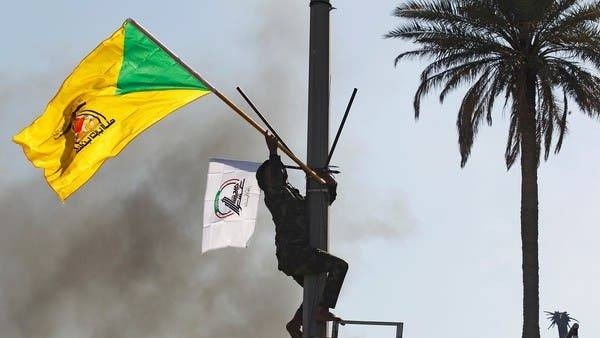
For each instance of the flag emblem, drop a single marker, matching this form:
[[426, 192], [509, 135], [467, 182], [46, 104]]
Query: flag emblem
[[83, 127], [228, 199]]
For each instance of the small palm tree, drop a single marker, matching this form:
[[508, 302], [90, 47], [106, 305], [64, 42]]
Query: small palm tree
[[535, 55], [562, 321]]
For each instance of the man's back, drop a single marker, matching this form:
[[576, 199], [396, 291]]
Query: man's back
[[286, 204]]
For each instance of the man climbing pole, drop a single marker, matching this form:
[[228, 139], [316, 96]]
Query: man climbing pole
[[295, 257]]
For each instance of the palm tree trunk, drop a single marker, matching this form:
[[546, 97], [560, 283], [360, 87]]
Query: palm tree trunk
[[563, 329], [529, 206]]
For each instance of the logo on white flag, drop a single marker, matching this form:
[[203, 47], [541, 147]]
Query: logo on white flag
[[228, 199]]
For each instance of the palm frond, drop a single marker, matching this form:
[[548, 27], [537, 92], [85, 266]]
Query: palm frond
[[481, 46], [467, 70], [513, 144], [470, 113], [572, 18]]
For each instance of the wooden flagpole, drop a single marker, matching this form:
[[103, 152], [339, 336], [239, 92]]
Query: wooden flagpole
[[229, 103]]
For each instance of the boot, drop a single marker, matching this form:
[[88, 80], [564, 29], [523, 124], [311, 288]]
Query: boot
[[293, 326]]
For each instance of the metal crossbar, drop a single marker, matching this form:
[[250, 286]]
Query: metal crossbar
[[336, 325]]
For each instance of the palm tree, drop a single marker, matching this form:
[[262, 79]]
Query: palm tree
[[562, 320], [537, 58]]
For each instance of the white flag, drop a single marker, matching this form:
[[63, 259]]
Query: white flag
[[230, 204]]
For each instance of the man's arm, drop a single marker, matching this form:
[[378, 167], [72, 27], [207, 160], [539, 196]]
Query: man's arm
[[275, 173]]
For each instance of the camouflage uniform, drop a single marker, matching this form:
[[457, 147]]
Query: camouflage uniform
[[295, 257]]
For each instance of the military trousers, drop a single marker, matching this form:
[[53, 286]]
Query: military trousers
[[302, 261]]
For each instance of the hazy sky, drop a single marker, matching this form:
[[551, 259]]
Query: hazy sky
[[429, 243]]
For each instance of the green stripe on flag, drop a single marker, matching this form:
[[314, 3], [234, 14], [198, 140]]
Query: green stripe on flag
[[147, 67]]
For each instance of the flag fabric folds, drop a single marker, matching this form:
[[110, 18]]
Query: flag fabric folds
[[124, 86], [230, 204]]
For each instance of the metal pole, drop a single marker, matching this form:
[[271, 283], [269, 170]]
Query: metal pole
[[335, 329], [317, 148], [399, 330]]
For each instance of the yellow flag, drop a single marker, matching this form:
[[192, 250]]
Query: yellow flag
[[125, 85]]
